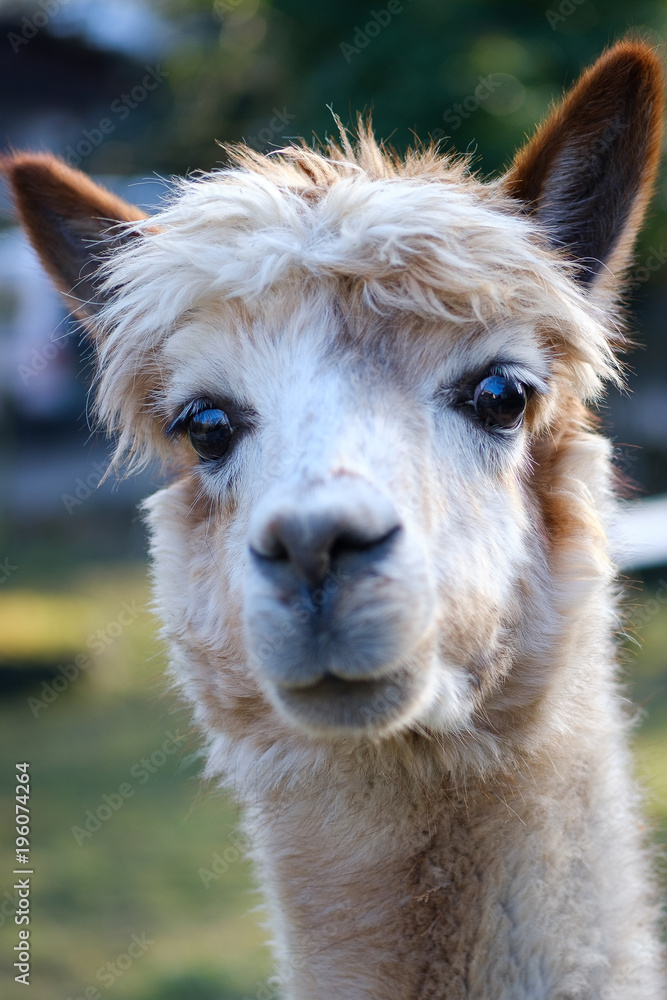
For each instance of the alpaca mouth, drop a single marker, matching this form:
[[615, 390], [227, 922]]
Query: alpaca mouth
[[335, 703]]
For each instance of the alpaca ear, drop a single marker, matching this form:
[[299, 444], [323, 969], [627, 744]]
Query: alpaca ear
[[587, 174], [69, 221]]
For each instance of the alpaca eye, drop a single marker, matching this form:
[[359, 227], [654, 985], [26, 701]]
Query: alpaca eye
[[500, 401], [210, 433]]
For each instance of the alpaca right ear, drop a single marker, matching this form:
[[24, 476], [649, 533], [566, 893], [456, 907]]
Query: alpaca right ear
[[588, 172], [70, 222]]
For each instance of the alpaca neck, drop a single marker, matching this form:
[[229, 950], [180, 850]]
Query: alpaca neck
[[396, 888]]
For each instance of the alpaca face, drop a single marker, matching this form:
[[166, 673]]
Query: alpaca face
[[357, 508], [371, 375], [352, 380]]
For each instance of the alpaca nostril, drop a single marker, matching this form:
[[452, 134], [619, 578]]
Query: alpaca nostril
[[349, 542], [274, 550], [309, 544]]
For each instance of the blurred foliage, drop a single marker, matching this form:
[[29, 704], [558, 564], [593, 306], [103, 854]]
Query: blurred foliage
[[230, 65], [409, 67]]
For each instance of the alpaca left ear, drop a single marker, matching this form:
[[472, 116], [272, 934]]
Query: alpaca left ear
[[588, 172], [71, 222]]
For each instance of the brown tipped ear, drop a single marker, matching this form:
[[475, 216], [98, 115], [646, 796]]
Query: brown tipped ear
[[587, 174], [69, 221]]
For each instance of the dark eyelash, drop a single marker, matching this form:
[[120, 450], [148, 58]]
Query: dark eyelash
[[461, 393], [191, 409], [503, 369], [240, 416]]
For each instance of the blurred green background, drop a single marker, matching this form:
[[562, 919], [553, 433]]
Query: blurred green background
[[165, 862]]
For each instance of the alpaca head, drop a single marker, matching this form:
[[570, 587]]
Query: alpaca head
[[370, 377]]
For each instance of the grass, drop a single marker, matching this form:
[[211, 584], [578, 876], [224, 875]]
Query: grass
[[138, 871], [646, 674], [147, 864]]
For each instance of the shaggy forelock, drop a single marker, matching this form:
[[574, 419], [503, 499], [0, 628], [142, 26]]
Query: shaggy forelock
[[420, 238]]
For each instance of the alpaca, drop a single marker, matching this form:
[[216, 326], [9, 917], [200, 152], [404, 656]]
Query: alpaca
[[382, 566]]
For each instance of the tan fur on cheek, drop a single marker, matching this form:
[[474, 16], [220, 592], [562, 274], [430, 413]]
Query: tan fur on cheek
[[189, 545], [571, 516]]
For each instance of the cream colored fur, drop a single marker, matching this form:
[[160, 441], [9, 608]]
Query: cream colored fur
[[468, 828], [483, 842]]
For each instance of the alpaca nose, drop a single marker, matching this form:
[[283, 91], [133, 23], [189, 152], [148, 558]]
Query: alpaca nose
[[311, 536]]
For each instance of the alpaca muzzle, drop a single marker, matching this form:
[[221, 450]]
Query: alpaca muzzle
[[328, 605]]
